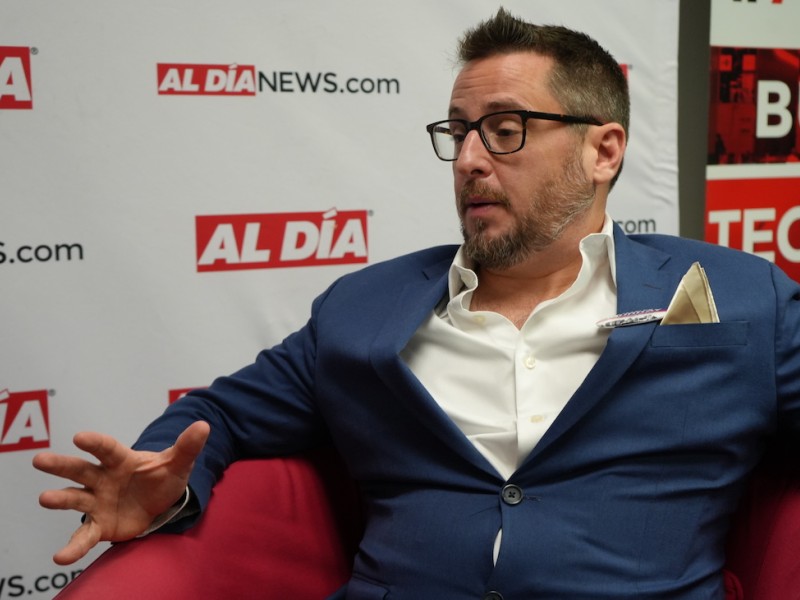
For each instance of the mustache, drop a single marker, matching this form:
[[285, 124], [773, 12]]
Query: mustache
[[476, 188]]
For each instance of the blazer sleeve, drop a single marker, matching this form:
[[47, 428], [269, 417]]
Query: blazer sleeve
[[787, 354], [265, 409]]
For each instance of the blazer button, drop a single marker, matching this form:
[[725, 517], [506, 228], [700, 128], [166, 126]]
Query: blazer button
[[493, 596], [512, 494]]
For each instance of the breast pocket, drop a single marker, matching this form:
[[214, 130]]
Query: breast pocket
[[701, 335]]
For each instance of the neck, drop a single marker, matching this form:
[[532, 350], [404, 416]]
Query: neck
[[516, 291]]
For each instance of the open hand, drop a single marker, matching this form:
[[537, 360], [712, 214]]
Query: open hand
[[124, 493]]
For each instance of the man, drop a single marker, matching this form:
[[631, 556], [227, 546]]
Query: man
[[506, 445]]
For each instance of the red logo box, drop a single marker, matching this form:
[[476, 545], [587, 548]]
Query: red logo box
[[264, 241], [25, 421], [175, 395], [16, 91], [759, 216], [206, 80]]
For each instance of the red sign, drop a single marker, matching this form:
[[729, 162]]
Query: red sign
[[175, 395], [25, 421], [206, 80], [755, 105], [760, 216], [263, 241], [15, 78]]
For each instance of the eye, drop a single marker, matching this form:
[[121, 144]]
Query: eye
[[506, 133], [505, 127], [457, 131]]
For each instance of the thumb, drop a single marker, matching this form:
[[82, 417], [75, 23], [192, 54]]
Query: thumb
[[189, 445]]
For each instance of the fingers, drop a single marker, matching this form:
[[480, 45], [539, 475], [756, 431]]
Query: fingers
[[111, 453], [180, 458], [103, 447], [68, 499], [84, 539], [69, 467]]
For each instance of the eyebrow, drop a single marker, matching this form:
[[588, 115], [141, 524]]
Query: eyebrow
[[493, 106]]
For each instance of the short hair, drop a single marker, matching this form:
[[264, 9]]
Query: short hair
[[586, 80]]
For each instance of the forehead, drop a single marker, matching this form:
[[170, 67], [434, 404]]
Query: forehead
[[504, 81]]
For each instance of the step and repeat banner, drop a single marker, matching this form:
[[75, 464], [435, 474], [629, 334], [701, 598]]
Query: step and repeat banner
[[753, 173], [180, 179]]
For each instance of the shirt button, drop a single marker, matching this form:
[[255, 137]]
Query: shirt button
[[493, 596], [538, 418], [512, 494], [479, 319], [529, 361]]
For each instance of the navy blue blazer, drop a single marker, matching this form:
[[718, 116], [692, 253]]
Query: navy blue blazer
[[628, 494]]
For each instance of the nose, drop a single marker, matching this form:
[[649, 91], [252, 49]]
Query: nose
[[474, 159]]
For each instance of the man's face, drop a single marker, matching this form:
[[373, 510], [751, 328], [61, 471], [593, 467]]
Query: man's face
[[512, 206]]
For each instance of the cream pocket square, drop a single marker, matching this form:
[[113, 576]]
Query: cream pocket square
[[693, 301]]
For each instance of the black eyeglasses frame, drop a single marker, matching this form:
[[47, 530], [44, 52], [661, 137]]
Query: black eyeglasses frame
[[523, 114]]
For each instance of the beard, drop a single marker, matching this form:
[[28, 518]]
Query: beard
[[559, 201]]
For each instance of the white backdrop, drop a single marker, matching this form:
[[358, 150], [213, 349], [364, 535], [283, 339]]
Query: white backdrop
[[112, 191]]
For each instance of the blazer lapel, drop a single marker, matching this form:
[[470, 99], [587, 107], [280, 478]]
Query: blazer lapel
[[643, 282], [415, 304]]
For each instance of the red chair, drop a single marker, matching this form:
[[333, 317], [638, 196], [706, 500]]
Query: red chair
[[763, 558], [289, 528], [280, 528]]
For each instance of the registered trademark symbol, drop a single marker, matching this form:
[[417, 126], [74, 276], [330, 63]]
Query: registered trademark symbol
[[34, 51], [51, 393], [370, 212]]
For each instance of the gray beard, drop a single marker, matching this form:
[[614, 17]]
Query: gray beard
[[560, 202]]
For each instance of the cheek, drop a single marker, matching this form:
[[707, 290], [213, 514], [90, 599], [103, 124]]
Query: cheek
[[521, 183]]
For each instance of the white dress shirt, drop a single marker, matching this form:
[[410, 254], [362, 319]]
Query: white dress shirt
[[505, 386]]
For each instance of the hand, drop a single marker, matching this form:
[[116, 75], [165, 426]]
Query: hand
[[123, 494]]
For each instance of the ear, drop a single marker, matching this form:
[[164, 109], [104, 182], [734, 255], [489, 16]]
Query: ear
[[608, 144]]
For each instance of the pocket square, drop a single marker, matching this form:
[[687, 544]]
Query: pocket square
[[693, 301]]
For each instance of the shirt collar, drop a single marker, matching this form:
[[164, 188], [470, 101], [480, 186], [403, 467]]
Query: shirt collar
[[462, 273]]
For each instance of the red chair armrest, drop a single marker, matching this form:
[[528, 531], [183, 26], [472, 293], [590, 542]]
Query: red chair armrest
[[763, 554], [287, 525]]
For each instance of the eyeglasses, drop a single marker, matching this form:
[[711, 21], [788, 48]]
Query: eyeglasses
[[501, 132]]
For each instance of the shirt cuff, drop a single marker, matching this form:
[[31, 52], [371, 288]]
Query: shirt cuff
[[172, 513]]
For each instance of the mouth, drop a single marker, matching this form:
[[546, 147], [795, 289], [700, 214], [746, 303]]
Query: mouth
[[479, 208], [477, 200], [479, 205]]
